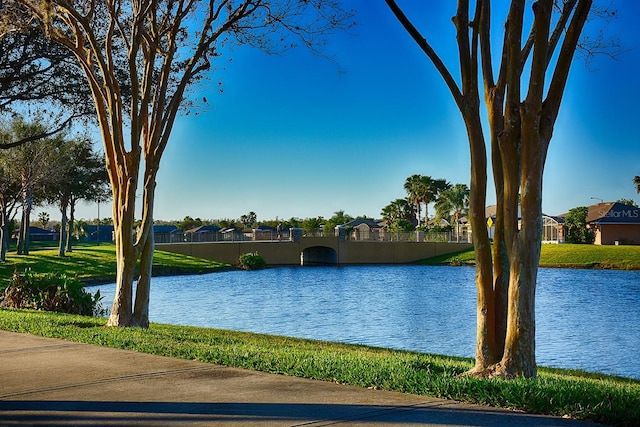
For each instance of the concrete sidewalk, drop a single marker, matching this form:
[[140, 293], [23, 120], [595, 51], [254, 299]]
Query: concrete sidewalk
[[54, 382]]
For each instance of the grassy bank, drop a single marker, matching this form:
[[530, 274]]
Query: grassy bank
[[565, 256], [97, 263], [604, 399]]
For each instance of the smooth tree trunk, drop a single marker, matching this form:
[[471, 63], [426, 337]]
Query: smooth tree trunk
[[124, 188], [24, 237], [143, 289], [70, 223], [62, 245], [4, 233]]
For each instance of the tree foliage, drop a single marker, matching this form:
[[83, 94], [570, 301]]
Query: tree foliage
[[453, 203], [36, 73], [575, 223], [399, 210], [422, 189]]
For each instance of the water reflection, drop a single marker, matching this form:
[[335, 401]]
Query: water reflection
[[586, 319]]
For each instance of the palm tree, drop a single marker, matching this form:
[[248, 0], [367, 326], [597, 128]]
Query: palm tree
[[432, 188], [423, 189], [456, 200], [415, 188], [397, 210], [636, 181]]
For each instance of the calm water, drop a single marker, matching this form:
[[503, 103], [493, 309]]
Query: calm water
[[586, 319]]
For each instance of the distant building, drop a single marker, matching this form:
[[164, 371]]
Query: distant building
[[614, 223], [264, 232], [93, 233], [167, 234], [363, 229], [204, 233], [38, 234]]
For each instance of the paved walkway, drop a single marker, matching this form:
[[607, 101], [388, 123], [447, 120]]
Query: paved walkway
[[54, 382]]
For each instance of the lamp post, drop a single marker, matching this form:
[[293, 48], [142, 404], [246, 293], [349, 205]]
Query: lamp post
[[597, 198]]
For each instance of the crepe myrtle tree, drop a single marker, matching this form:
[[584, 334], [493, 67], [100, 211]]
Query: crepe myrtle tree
[[522, 104], [141, 58]]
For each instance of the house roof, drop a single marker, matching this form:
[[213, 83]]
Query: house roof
[[204, 229], [613, 213], [40, 231], [165, 229], [265, 228], [372, 224], [104, 228]]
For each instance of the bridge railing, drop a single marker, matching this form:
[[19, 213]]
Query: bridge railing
[[272, 235]]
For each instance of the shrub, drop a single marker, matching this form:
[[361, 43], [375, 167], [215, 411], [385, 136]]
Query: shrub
[[251, 261], [50, 292]]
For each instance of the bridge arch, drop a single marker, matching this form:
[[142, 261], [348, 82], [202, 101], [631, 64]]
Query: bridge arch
[[319, 255]]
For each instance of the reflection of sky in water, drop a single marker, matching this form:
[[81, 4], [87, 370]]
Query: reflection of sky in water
[[586, 319]]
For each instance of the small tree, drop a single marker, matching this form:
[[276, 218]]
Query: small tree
[[249, 220], [453, 200], [43, 218], [636, 182], [81, 176], [338, 218], [30, 167], [399, 209], [189, 223], [575, 223], [10, 192]]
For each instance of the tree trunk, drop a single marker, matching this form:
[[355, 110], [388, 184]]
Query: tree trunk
[[519, 357], [143, 288], [124, 187], [64, 201], [4, 233], [141, 308], [486, 350], [72, 210], [25, 233], [126, 258]]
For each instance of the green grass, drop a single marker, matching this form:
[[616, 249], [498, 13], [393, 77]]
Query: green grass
[[604, 399], [564, 256], [97, 263]]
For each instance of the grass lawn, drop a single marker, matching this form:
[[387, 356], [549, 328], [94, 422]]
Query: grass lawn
[[97, 263], [600, 398], [565, 256]]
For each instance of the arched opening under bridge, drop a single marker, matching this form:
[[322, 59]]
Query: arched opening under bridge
[[319, 255]]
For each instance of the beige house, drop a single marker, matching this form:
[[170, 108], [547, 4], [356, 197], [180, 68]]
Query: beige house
[[614, 223]]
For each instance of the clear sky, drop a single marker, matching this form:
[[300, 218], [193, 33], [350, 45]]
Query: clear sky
[[297, 135]]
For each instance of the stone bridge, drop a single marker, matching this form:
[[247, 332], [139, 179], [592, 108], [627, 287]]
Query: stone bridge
[[316, 251]]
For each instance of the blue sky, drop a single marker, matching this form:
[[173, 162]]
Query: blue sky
[[297, 135]]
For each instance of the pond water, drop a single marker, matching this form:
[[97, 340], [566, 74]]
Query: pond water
[[586, 319]]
